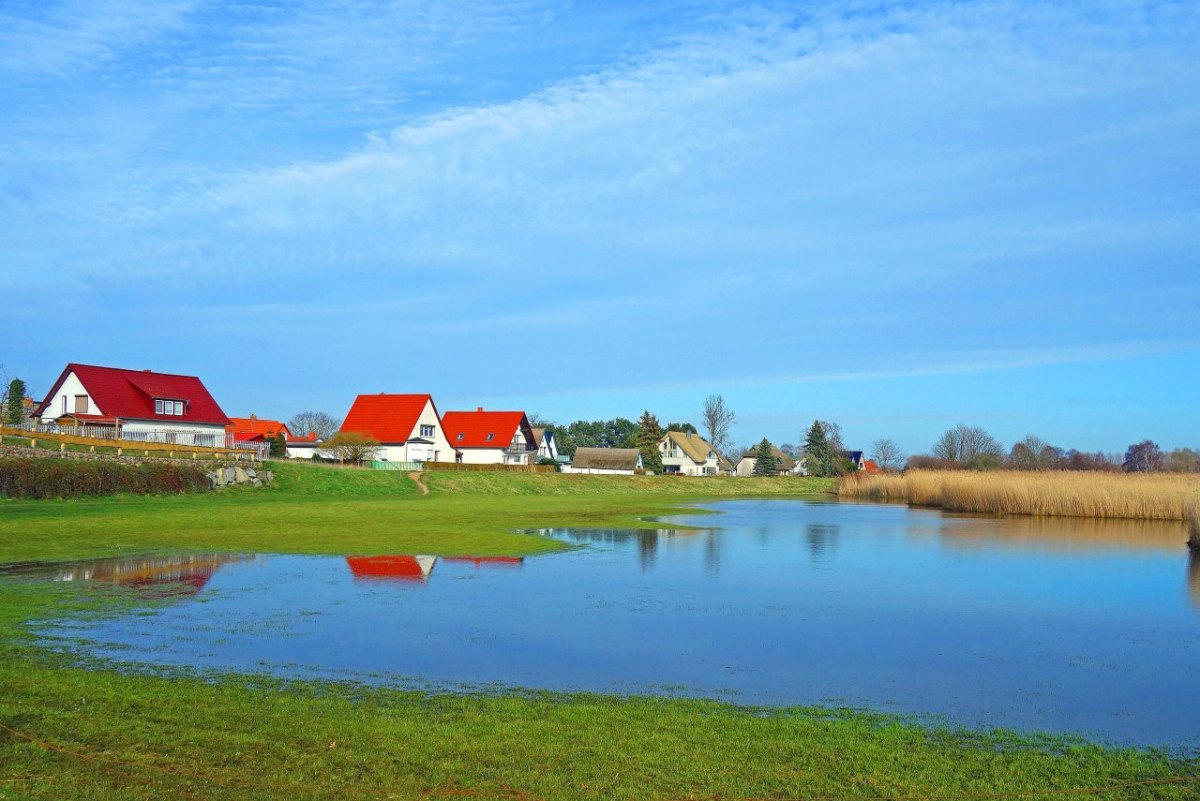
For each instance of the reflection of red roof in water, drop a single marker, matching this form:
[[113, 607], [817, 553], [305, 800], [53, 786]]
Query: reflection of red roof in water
[[488, 561], [402, 568]]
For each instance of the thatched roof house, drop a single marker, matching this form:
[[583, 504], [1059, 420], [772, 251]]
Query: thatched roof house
[[610, 461]]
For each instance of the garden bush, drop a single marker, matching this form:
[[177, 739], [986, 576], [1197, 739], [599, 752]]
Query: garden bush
[[72, 478]]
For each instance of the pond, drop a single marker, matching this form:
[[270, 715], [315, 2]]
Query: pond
[[1067, 626]]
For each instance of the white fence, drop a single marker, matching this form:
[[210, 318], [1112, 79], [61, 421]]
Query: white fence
[[199, 438]]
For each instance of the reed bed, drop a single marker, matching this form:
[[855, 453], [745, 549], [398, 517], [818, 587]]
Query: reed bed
[[1143, 496]]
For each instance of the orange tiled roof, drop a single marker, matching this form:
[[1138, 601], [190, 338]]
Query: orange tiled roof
[[480, 429], [252, 425], [386, 418]]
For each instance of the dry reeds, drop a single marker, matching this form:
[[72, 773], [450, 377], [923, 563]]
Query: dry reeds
[[1143, 496], [1193, 524]]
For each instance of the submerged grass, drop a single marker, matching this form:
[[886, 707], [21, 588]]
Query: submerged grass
[[1157, 496], [87, 732]]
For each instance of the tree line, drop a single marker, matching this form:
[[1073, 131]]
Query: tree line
[[966, 447]]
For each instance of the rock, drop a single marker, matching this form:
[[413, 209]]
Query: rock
[[230, 476], [268, 476], [250, 471], [255, 482], [240, 476]]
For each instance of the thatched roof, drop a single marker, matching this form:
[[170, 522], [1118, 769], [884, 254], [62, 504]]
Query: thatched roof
[[694, 445], [782, 460], [606, 458]]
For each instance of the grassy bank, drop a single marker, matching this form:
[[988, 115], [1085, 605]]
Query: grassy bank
[[1144, 496], [75, 733]]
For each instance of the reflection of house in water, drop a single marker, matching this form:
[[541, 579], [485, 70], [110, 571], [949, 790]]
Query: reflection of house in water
[[647, 540], [487, 561], [154, 576], [392, 568], [821, 539]]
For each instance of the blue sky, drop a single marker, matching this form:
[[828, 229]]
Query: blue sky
[[899, 216]]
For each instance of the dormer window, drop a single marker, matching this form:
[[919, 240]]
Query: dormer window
[[171, 407], [490, 437], [460, 436]]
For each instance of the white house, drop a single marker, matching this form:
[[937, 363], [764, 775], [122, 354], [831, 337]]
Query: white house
[[407, 427], [688, 454], [605, 461], [138, 405], [784, 464], [481, 437], [547, 444]]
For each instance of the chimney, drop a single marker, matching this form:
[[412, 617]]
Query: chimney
[[479, 408]]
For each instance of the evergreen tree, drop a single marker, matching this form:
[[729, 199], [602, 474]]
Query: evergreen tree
[[818, 456], [278, 446], [649, 433], [14, 408], [764, 459]]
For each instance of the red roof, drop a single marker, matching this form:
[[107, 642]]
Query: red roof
[[130, 394], [480, 429], [403, 568], [387, 418], [248, 426]]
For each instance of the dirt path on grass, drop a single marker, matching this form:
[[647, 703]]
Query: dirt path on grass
[[416, 479]]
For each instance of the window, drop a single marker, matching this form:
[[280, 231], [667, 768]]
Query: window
[[171, 407], [460, 436], [426, 431], [81, 404], [490, 437], [64, 397]]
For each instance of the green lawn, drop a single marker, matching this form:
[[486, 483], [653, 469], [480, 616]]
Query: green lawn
[[68, 731]]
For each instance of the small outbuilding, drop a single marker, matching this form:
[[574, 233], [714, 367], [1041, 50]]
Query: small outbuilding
[[605, 461]]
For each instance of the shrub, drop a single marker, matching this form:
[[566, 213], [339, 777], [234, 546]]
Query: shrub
[[68, 478]]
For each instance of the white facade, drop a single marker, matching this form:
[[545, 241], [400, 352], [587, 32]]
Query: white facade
[[426, 442], [597, 471], [548, 447], [522, 453], [70, 395], [677, 460], [302, 450]]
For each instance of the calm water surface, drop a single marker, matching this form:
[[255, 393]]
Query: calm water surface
[[1057, 625]]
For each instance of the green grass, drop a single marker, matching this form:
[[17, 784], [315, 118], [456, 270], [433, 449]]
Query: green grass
[[104, 734]]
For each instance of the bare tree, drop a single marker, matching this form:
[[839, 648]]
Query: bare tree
[[1034, 453], [970, 445], [833, 437], [887, 454], [317, 423], [1143, 457], [718, 420], [350, 447]]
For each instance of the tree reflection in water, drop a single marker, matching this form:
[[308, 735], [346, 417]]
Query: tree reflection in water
[[822, 539], [1193, 576]]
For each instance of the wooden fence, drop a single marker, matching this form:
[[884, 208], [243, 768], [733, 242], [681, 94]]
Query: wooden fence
[[130, 448], [491, 468]]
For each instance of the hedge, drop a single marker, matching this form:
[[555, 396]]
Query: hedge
[[68, 478]]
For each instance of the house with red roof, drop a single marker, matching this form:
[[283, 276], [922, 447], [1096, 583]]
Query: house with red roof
[[407, 427], [135, 404], [256, 429], [481, 437]]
